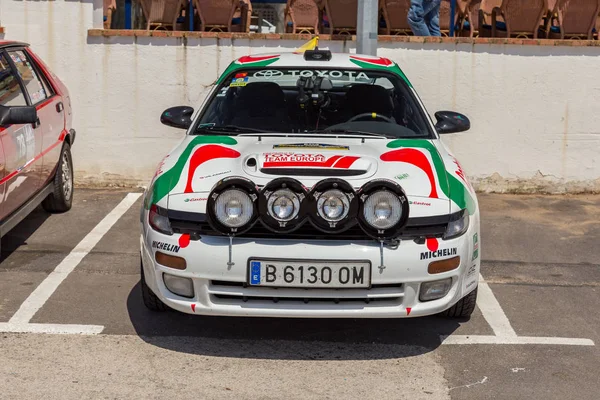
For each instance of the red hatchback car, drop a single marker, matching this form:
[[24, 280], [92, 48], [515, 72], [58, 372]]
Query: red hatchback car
[[35, 137]]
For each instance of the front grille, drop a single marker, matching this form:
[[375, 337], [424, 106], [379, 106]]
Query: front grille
[[232, 293], [306, 232]]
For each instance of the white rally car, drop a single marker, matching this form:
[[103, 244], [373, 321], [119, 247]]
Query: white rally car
[[311, 185]]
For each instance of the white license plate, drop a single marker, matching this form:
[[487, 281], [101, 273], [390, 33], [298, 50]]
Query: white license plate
[[303, 274]]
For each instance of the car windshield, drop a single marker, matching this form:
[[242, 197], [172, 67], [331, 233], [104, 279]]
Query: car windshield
[[286, 100]]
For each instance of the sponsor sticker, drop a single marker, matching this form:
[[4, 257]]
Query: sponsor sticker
[[471, 277], [472, 269], [165, 246], [239, 82], [309, 73], [191, 199], [223, 92], [419, 203], [316, 146], [159, 168], [426, 255], [459, 171], [268, 74], [475, 247], [213, 175], [470, 284], [401, 176], [293, 157]]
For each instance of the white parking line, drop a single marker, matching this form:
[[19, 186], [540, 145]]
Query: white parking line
[[492, 312], [56, 329], [482, 339], [35, 301], [503, 331]]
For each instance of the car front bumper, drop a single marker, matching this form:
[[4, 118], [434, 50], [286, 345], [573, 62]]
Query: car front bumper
[[220, 289]]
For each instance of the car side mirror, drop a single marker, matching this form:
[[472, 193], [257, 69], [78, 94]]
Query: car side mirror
[[451, 122], [177, 117], [17, 115]]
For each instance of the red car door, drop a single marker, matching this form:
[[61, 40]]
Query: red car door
[[51, 112], [18, 180]]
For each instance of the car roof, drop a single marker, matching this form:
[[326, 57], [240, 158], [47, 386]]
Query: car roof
[[296, 59], [12, 43]]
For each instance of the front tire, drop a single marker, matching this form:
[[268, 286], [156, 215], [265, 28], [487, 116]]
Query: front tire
[[151, 301], [463, 308], [61, 199]]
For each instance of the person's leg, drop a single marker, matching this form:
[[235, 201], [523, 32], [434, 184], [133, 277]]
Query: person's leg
[[416, 18], [432, 16]]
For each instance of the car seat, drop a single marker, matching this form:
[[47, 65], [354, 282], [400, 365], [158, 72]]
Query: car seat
[[364, 98], [261, 105]]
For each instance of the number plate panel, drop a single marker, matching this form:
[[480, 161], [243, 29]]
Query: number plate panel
[[309, 274]]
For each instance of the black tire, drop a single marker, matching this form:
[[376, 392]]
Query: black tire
[[151, 301], [61, 199], [463, 308]]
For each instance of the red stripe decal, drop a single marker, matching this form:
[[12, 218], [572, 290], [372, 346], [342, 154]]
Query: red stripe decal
[[204, 154], [346, 162], [342, 162], [45, 103], [250, 59], [34, 159], [9, 176], [332, 160], [378, 61], [416, 158]]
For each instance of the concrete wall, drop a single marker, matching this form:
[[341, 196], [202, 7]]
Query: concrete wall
[[534, 109]]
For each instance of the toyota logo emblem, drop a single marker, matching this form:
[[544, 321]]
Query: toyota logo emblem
[[268, 74]]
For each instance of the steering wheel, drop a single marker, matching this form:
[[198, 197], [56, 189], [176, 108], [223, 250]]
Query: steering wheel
[[370, 116]]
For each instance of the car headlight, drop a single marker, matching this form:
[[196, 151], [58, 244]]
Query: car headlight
[[234, 208], [283, 205], [383, 211], [333, 205], [280, 205], [231, 205], [158, 220], [458, 225]]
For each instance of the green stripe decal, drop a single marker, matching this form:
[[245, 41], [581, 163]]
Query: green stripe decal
[[167, 181], [454, 189], [393, 68], [234, 66]]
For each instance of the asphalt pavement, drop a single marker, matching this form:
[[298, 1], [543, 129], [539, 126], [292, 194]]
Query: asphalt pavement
[[535, 334]]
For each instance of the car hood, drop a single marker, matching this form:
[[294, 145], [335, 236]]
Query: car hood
[[186, 176]]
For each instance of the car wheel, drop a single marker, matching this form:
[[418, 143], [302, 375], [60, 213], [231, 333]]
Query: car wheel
[[151, 301], [464, 308], [61, 199]]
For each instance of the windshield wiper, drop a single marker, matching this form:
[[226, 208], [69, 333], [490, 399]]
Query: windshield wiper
[[354, 132], [229, 129]]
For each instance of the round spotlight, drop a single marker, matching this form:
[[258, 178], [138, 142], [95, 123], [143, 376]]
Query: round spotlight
[[234, 208], [283, 205], [383, 209], [280, 205], [332, 205], [231, 205]]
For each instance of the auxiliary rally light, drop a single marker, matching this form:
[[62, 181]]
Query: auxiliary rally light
[[281, 205], [232, 208]]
